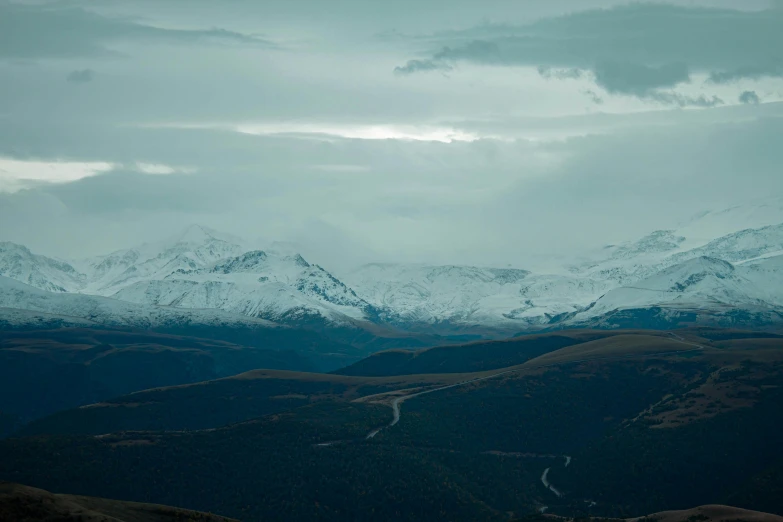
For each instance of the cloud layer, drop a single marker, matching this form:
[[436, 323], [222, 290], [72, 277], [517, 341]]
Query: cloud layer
[[409, 131], [52, 31], [633, 49]]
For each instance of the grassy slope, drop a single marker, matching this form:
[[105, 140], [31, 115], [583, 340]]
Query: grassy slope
[[484, 355], [45, 371], [220, 402], [433, 465], [25, 504], [253, 394]]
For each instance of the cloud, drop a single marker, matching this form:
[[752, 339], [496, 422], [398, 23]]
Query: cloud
[[417, 200], [639, 80], [81, 76], [594, 97], [681, 100], [560, 74], [52, 31], [749, 98], [475, 51], [646, 83], [752, 72], [414, 66], [729, 43], [18, 174]]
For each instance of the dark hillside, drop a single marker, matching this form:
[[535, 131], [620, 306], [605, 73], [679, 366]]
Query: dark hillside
[[475, 356]]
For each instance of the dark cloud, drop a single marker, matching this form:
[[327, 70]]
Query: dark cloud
[[750, 98], [730, 43], [81, 76], [681, 100], [753, 72], [639, 80], [594, 97], [560, 74], [646, 83], [414, 66], [476, 51], [47, 31]]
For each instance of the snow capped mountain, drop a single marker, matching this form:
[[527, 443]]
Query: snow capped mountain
[[22, 304], [209, 272], [767, 275], [658, 242], [468, 296], [698, 281], [637, 260], [708, 225], [742, 245], [257, 284], [699, 286], [196, 247], [17, 262]]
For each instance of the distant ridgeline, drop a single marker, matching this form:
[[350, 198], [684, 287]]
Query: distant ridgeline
[[715, 271]]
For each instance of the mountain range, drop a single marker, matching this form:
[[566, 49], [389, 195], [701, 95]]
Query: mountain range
[[712, 270]]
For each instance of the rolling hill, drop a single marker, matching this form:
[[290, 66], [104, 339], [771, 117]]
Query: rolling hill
[[625, 425], [24, 504], [45, 371]]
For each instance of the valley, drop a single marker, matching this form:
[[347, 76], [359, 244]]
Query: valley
[[466, 446]]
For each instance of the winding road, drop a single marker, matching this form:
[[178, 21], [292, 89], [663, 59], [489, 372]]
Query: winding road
[[548, 485], [395, 403]]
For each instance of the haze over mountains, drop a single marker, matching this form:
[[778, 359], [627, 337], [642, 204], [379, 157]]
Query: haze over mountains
[[723, 268]]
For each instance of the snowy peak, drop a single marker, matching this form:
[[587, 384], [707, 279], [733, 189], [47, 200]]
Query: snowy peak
[[682, 277], [195, 248], [701, 283], [21, 304], [201, 244], [257, 261], [256, 283], [320, 284], [248, 262], [654, 243], [17, 262], [708, 225], [742, 245], [702, 278], [201, 268], [466, 295], [197, 234]]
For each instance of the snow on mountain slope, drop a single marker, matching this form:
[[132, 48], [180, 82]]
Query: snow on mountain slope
[[257, 284], [464, 295], [631, 261], [657, 242], [699, 283], [204, 269], [767, 276], [741, 245], [634, 261], [196, 247], [708, 225], [17, 262], [22, 304]]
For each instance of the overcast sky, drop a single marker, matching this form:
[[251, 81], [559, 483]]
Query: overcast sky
[[492, 132]]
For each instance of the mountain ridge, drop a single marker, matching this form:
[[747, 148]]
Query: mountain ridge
[[201, 268]]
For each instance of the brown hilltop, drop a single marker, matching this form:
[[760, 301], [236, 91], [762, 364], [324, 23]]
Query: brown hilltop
[[20, 503]]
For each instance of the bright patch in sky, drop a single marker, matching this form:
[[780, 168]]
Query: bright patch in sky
[[339, 130], [18, 174], [159, 168]]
